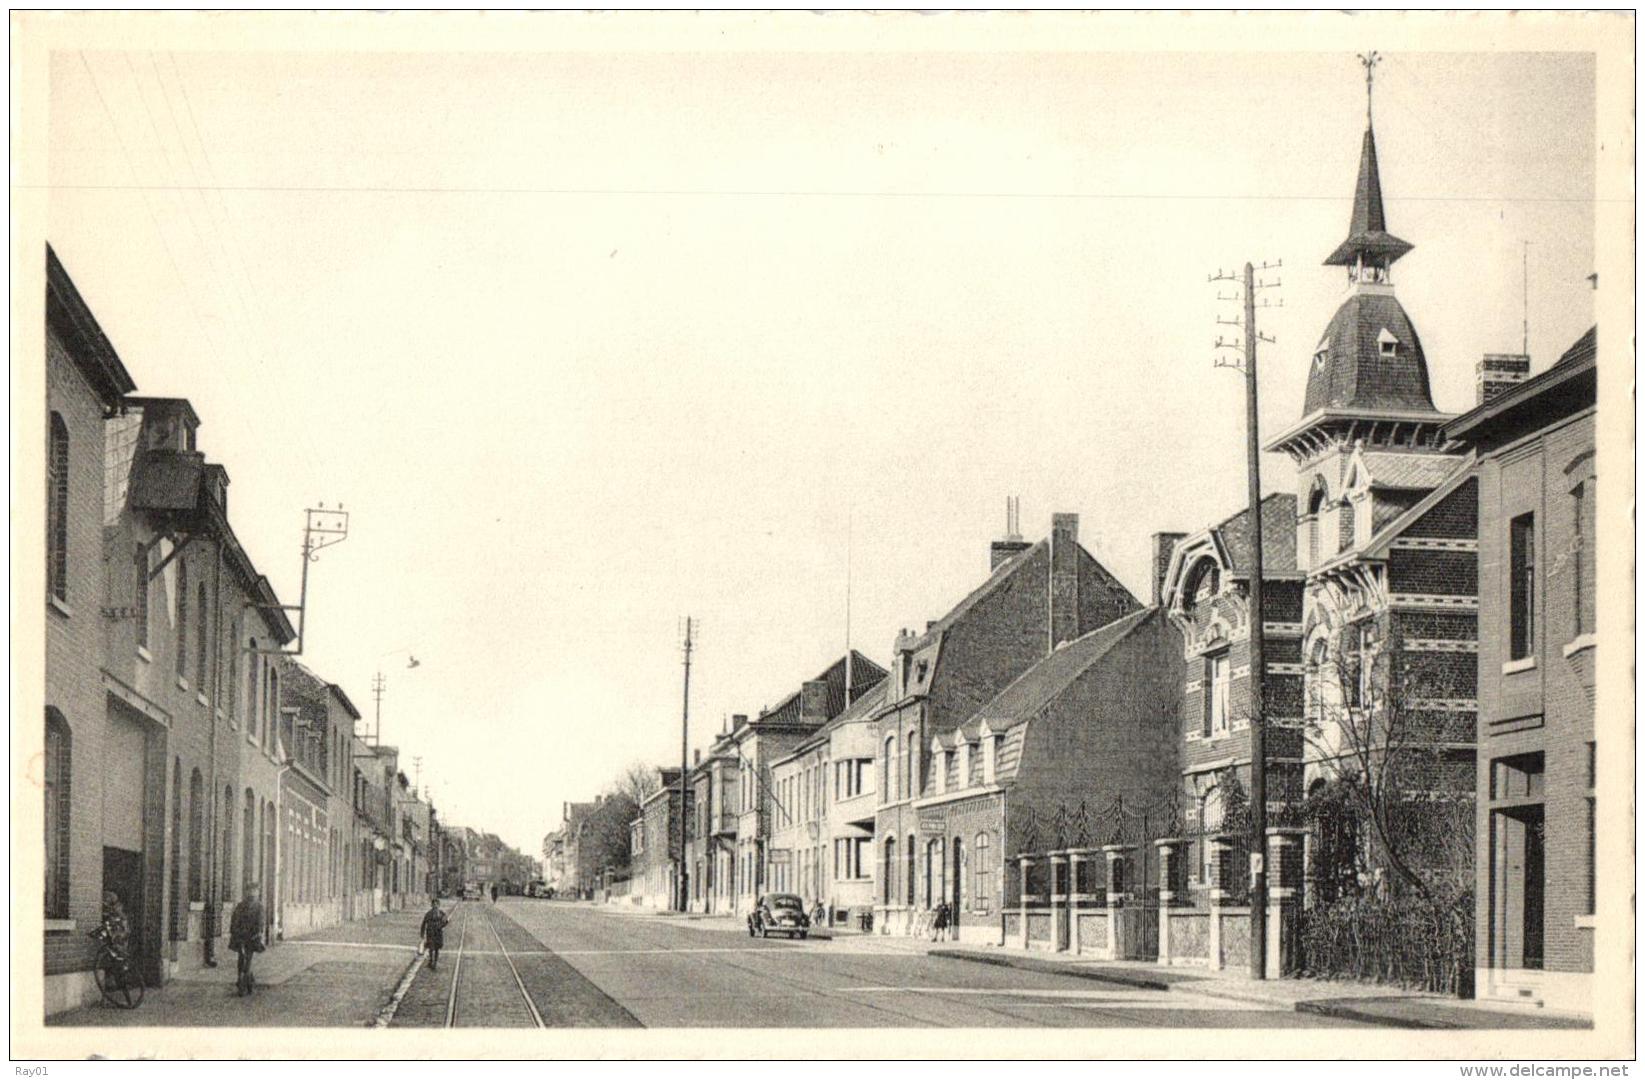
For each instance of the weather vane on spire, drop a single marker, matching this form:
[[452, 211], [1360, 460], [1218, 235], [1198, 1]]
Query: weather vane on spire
[[1370, 61]]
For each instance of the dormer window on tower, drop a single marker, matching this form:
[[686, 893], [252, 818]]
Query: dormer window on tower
[[1387, 344]]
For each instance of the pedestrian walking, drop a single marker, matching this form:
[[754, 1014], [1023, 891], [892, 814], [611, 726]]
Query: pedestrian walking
[[819, 915], [939, 925], [494, 894], [245, 937], [434, 932]]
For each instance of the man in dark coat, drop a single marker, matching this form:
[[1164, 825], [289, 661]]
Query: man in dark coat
[[434, 932], [245, 937], [494, 894]]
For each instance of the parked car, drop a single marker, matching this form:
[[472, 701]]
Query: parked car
[[779, 913], [472, 891]]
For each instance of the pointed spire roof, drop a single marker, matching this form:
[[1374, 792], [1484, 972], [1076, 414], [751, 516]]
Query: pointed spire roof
[[1368, 234]]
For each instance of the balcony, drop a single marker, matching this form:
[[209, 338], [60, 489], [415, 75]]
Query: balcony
[[725, 824]]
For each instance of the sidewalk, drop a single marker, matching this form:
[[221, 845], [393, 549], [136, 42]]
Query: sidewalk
[[1367, 1002], [337, 977]]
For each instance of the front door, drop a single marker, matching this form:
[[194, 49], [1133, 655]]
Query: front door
[[1517, 884]]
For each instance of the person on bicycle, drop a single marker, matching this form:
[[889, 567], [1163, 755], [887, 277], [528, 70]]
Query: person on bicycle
[[116, 926], [245, 937], [434, 932]]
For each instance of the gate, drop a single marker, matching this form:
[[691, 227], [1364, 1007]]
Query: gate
[[1136, 825]]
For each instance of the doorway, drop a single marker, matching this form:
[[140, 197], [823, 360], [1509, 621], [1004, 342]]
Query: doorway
[[1518, 885], [123, 876]]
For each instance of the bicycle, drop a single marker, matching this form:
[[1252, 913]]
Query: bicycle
[[120, 985]]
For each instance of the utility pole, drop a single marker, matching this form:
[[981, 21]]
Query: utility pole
[[1253, 463], [685, 755]]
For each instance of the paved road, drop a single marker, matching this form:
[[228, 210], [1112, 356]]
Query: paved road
[[585, 966]]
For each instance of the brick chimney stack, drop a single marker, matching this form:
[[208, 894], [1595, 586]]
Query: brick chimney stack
[[1497, 372], [814, 702], [1065, 579], [1164, 544], [1009, 544]]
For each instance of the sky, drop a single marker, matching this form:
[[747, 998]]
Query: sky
[[588, 342]]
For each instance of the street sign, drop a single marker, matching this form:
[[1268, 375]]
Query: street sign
[[929, 827], [777, 856]]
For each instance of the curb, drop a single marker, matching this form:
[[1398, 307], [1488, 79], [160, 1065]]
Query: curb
[[385, 1015], [1338, 1010], [1045, 967]]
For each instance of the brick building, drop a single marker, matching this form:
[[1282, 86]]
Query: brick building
[[1037, 597], [317, 819], [1534, 865], [755, 746], [85, 381], [1046, 769], [654, 838], [713, 839]]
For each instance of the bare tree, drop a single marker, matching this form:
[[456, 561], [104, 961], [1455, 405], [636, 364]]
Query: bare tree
[[638, 781]]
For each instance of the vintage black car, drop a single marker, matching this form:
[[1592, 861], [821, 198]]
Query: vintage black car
[[779, 913]]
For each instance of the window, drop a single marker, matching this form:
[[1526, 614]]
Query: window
[[272, 704], [911, 775], [253, 664], [1589, 909], [982, 889], [248, 834], [1345, 525], [1216, 694], [182, 618], [908, 857], [57, 510], [203, 638], [887, 768], [1316, 506], [1582, 556], [1387, 344], [196, 830], [1521, 586], [57, 815], [140, 595], [888, 888]]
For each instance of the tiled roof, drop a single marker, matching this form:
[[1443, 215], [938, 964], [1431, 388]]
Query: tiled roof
[[1045, 680], [1354, 373], [1279, 536], [1570, 380], [994, 580], [1419, 471], [1583, 350], [862, 707], [864, 674], [167, 480]]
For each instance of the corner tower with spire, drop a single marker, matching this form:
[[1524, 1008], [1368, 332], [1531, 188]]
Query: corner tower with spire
[[1367, 390]]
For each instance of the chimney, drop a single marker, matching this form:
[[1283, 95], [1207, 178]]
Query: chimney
[[1011, 543], [1497, 372], [696, 757], [814, 702], [738, 721], [1164, 544], [1065, 579]]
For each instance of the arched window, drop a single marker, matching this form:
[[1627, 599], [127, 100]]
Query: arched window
[[910, 869], [140, 594], [889, 871], [202, 655], [911, 786], [226, 851], [196, 836], [888, 770], [272, 705], [254, 663], [182, 618], [57, 509], [982, 891], [1316, 507], [178, 931], [57, 815], [248, 841]]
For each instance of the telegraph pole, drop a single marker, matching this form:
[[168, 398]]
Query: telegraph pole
[[1254, 619], [685, 758], [378, 685]]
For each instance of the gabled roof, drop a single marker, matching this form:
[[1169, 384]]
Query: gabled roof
[[68, 314], [994, 580], [1421, 471], [1572, 378], [861, 709], [1043, 682]]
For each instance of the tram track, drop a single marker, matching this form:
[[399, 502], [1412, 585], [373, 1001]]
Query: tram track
[[483, 1001]]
